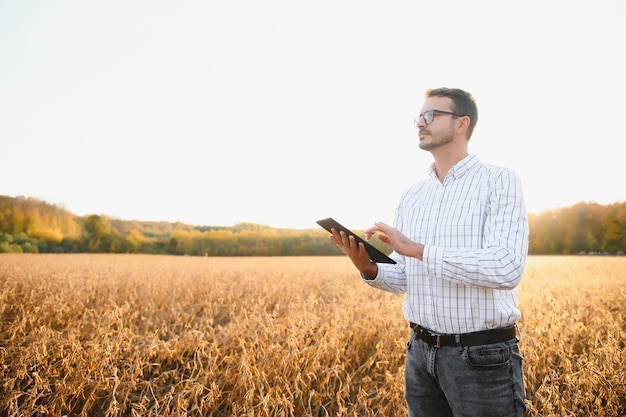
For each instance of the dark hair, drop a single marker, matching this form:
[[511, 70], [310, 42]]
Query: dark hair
[[464, 104]]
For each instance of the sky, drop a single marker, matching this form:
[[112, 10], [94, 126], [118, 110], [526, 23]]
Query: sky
[[282, 112]]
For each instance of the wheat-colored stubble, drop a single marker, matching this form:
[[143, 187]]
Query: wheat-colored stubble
[[141, 335]]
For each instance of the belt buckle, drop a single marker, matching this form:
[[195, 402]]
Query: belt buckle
[[437, 338]]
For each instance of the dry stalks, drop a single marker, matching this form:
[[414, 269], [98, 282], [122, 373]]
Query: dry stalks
[[135, 335]]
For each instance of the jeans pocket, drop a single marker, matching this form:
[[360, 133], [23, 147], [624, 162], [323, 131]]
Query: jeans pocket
[[410, 342], [488, 356], [514, 349]]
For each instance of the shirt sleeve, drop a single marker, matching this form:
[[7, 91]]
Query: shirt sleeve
[[390, 277], [499, 263]]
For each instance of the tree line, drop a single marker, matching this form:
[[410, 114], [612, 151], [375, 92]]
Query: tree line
[[585, 227], [35, 226]]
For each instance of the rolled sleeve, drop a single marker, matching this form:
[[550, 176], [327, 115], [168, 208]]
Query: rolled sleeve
[[433, 260]]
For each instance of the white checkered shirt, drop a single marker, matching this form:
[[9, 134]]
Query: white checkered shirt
[[475, 231]]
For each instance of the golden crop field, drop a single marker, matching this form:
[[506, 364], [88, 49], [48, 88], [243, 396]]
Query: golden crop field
[[141, 335]]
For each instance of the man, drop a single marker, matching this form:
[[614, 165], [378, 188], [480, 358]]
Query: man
[[460, 242]]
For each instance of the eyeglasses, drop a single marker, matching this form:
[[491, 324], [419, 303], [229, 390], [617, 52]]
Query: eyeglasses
[[429, 116]]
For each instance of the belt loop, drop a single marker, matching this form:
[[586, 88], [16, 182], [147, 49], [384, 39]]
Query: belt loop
[[457, 339], [438, 341]]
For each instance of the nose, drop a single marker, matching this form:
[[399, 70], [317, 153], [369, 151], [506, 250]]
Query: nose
[[420, 122]]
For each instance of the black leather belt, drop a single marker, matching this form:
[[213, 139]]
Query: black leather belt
[[466, 339]]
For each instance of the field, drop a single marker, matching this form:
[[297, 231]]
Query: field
[[140, 335]]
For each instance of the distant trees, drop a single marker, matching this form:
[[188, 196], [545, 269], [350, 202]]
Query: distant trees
[[36, 218], [583, 227], [243, 240], [31, 225], [98, 236]]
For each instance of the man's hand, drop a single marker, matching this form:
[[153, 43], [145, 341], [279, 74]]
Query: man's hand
[[356, 252], [400, 243]]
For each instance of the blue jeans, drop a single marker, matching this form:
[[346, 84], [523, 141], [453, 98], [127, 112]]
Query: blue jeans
[[475, 381]]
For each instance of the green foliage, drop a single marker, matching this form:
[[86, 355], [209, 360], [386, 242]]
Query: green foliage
[[34, 226], [96, 233], [581, 228], [7, 244]]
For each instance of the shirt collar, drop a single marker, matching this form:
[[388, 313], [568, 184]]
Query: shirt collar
[[458, 170]]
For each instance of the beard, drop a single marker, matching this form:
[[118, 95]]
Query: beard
[[436, 141]]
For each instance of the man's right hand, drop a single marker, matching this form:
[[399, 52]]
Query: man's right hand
[[356, 252]]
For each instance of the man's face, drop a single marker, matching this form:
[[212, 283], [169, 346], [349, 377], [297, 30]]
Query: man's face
[[439, 132]]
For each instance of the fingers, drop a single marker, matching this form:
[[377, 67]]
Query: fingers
[[383, 227], [384, 230], [348, 245], [384, 239], [347, 242], [355, 251], [340, 239], [370, 232]]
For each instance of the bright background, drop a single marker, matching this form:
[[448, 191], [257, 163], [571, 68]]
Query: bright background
[[281, 112]]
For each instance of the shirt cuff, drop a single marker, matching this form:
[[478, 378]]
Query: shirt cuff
[[433, 260]]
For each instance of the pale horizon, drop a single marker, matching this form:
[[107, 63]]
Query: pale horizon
[[280, 113]]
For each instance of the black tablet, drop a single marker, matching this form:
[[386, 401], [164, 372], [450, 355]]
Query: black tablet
[[375, 254]]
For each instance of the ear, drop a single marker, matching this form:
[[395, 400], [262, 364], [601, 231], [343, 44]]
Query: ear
[[463, 125]]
